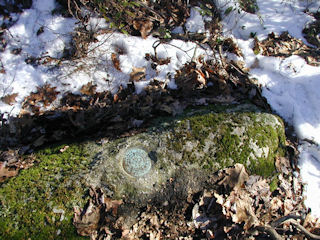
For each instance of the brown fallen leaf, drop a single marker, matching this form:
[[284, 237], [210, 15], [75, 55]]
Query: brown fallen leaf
[[87, 221], [112, 205], [283, 165], [137, 74], [234, 176], [45, 95], [244, 212], [91, 219], [115, 98], [201, 77], [115, 61], [7, 172], [10, 98], [143, 26], [88, 89], [11, 157]]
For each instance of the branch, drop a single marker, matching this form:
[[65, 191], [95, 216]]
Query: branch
[[271, 231], [302, 229]]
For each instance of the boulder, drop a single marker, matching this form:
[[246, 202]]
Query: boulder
[[197, 143], [170, 160]]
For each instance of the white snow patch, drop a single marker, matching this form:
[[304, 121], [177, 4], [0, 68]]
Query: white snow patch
[[195, 23], [290, 85], [23, 78], [38, 33], [98, 67], [310, 172]]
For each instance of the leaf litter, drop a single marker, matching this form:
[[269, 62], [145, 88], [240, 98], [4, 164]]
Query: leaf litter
[[285, 46], [233, 205]]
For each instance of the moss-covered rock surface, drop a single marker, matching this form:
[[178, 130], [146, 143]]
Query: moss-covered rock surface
[[203, 141], [38, 203]]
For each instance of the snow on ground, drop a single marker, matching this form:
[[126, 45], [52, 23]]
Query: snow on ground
[[23, 78], [97, 67], [290, 85]]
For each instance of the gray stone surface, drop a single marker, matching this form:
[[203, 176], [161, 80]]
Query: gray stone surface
[[188, 148]]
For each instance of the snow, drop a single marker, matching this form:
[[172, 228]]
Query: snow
[[310, 171], [290, 85], [195, 22], [23, 78], [273, 16], [97, 67]]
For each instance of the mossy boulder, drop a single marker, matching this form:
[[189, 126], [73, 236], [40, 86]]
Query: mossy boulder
[[202, 141], [38, 203]]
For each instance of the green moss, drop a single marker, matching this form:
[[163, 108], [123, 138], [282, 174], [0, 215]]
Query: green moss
[[249, 6], [27, 201], [228, 147], [274, 183]]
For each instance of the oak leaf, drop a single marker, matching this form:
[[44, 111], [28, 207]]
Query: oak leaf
[[88, 89], [234, 176], [143, 26], [115, 61], [7, 172], [137, 74], [10, 98]]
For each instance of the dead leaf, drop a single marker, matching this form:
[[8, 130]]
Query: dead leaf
[[86, 221], [283, 165], [112, 205], [230, 45], [244, 212], [159, 61], [88, 89], [201, 78], [64, 148], [10, 98], [11, 157], [115, 98], [276, 204], [143, 26], [137, 74], [115, 61], [45, 95], [7, 172], [234, 176]]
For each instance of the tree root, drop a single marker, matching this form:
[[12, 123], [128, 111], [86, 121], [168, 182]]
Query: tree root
[[302, 229], [271, 231], [291, 219]]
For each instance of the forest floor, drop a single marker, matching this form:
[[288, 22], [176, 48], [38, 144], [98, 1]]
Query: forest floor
[[75, 71]]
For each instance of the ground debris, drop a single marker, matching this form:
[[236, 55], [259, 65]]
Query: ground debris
[[9, 99], [285, 46], [11, 163], [234, 205], [43, 97]]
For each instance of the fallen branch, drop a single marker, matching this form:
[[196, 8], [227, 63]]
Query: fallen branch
[[292, 219], [271, 231], [281, 220], [302, 229]]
